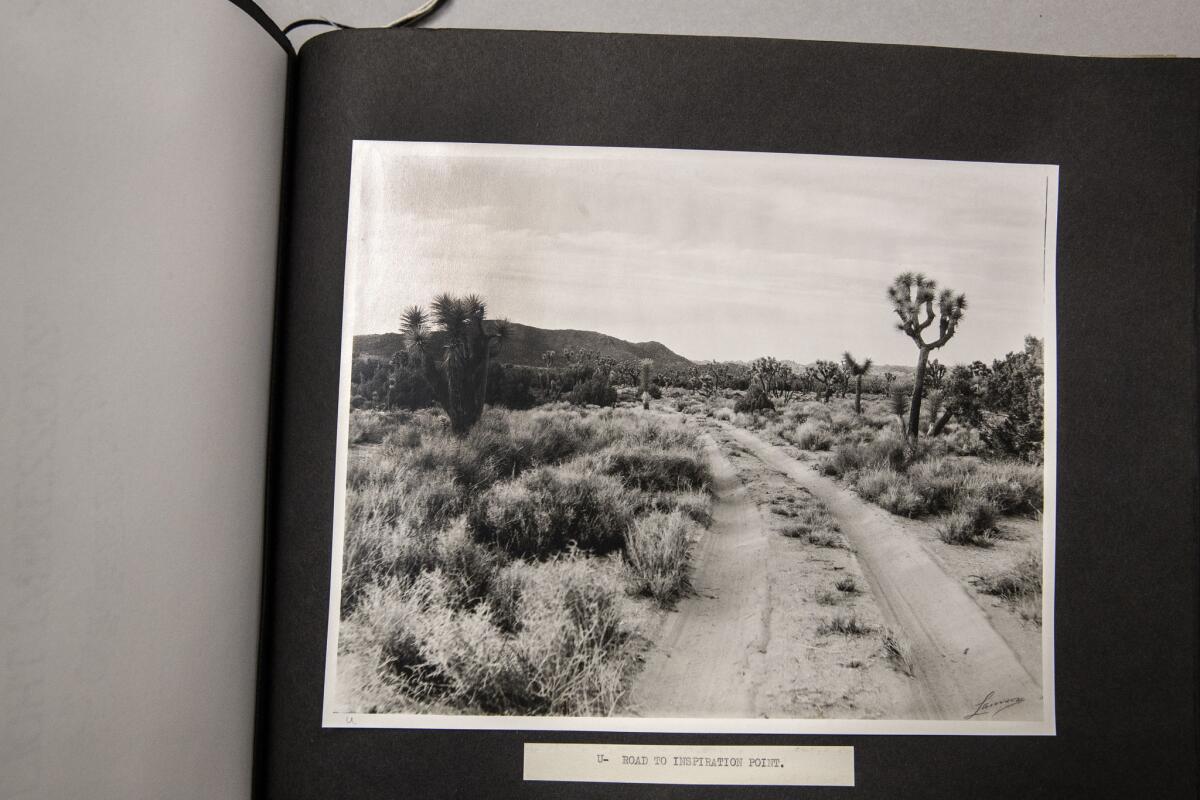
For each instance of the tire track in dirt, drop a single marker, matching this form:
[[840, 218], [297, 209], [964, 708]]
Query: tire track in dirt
[[708, 656], [958, 658]]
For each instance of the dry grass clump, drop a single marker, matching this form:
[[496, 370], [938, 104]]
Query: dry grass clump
[[813, 435], [828, 598], [657, 556], [370, 427], [896, 651], [549, 509], [809, 519], [886, 450], [888, 489], [568, 655], [841, 422], [844, 626], [946, 483], [973, 523], [1013, 487], [1020, 585], [654, 469], [696, 505], [847, 585]]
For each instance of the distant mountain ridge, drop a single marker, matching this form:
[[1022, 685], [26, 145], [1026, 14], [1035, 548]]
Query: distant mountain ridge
[[525, 345]]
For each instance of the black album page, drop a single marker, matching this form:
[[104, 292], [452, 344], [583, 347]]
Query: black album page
[[676, 410]]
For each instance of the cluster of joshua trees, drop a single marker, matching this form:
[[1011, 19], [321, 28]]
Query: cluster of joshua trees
[[453, 346]]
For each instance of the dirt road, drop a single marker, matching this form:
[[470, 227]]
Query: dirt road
[[708, 656], [962, 668], [746, 643]]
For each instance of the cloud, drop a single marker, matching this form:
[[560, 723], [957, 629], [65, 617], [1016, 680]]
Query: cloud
[[717, 255]]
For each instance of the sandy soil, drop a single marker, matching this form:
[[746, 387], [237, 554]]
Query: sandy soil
[[808, 674], [708, 655], [958, 657], [747, 644]]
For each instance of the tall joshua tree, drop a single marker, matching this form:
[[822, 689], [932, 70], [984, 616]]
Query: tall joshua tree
[[913, 297], [644, 381], [857, 370], [456, 360]]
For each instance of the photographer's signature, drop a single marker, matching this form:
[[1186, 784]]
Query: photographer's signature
[[991, 706]]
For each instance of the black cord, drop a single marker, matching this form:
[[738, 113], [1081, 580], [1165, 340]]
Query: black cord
[[411, 18]]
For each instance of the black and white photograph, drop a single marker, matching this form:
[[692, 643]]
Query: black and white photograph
[[681, 440]]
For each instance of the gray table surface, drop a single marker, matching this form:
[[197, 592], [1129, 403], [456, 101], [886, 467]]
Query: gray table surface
[[1068, 27]]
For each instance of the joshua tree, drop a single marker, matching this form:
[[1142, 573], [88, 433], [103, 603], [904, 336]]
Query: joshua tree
[[827, 374], [857, 370], [644, 381], [888, 379], [458, 373], [935, 375], [774, 377], [912, 296]]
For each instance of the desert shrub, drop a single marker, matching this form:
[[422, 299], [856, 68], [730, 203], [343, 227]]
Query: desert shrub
[[755, 399], [369, 427], [358, 401], [494, 443], [632, 427], [846, 585], [511, 386], [462, 655], [550, 437], [364, 557], [656, 392], [657, 556], [940, 482], [504, 596], [408, 388], [964, 441], [386, 629], [828, 598], [595, 391], [884, 451], [842, 422], [888, 489], [358, 472], [825, 539], [810, 519], [405, 438], [1020, 585], [877, 421], [695, 505], [568, 655], [448, 454], [550, 508], [422, 500], [896, 651], [572, 643], [813, 435], [1011, 486], [843, 625], [972, 524], [814, 410], [469, 566], [724, 414], [652, 468]]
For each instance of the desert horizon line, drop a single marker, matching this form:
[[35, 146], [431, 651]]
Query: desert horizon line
[[747, 359]]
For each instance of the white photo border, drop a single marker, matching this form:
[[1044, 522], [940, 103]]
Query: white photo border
[[1044, 727]]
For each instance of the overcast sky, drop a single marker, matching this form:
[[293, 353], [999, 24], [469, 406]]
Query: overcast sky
[[718, 255]]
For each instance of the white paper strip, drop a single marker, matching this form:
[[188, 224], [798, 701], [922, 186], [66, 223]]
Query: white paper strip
[[690, 764]]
